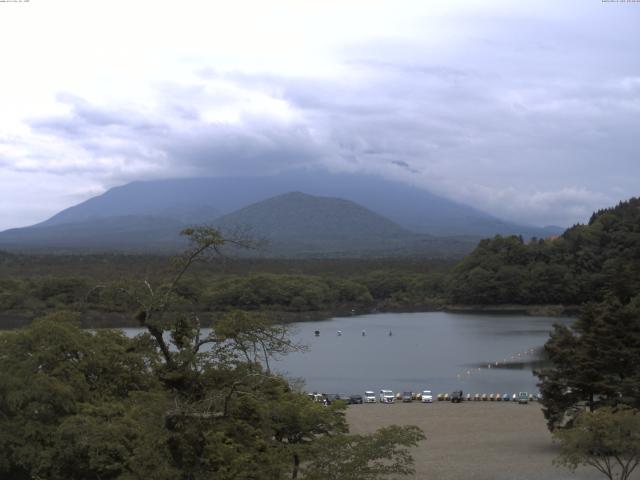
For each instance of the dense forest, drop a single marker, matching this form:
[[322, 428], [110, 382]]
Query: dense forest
[[34, 285], [585, 263]]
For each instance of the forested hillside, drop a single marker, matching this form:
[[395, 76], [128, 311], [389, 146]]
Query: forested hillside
[[586, 263], [31, 286]]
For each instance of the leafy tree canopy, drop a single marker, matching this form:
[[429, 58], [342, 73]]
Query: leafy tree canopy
[[607, 440], [172, 403], [586, 263], [596, 361]]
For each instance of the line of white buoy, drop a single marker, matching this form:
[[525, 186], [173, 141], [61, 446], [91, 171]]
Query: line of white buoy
[[516, 356]]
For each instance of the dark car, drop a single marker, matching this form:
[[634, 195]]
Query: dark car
[[457, 396], [355, 400], [407, 397]]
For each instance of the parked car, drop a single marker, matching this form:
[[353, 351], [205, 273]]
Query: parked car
[[427, 396], [457, 396], [505, 397], [369, 397], [316, 397], [407, 397], [476, 397], [356, 400], [523, 398], [387, 396]]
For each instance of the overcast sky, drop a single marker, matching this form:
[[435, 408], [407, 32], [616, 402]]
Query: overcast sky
[[529, 110]]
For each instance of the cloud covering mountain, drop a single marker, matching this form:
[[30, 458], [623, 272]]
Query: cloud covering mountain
[[526, 110]]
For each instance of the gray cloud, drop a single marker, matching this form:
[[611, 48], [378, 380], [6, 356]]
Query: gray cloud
[[532, 119]]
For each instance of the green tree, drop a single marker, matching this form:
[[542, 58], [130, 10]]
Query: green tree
[[607, 440], [596, 362], [56, 382], [176, 402], [365, 457]]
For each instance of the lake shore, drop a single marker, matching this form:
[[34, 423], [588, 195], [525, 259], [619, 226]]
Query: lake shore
[[473, 440], [552, 310], [96, 319]]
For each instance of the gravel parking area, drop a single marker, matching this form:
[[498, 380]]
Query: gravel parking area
[[474, 440]]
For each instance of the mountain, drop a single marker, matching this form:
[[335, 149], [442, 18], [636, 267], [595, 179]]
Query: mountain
[[201, 200], [131, 233], [305, 217], [293, 225], [338, 214], [298, 224]]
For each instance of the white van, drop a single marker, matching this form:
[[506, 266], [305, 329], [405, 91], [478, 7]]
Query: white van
[[427, 396], [387, 396]]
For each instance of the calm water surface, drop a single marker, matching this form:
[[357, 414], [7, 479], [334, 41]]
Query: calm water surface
[[434, 350]]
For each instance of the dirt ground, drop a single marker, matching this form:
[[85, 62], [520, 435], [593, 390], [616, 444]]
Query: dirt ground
[[474, 440]]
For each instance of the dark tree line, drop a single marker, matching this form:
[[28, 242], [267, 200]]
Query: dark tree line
[[587, 263], [210, 293]]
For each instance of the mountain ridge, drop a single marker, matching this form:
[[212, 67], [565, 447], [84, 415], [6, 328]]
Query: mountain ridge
[[294, 225], [413, 208], [294, 213]]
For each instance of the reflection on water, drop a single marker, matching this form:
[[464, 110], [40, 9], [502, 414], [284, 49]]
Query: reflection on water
[[526, 365], [435, 350]]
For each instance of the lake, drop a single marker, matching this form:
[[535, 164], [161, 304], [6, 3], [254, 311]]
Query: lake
[[476, 353], [434, 350]]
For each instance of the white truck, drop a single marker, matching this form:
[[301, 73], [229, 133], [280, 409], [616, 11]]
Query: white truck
[[387, 396], [369, 397], [427, 396]]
